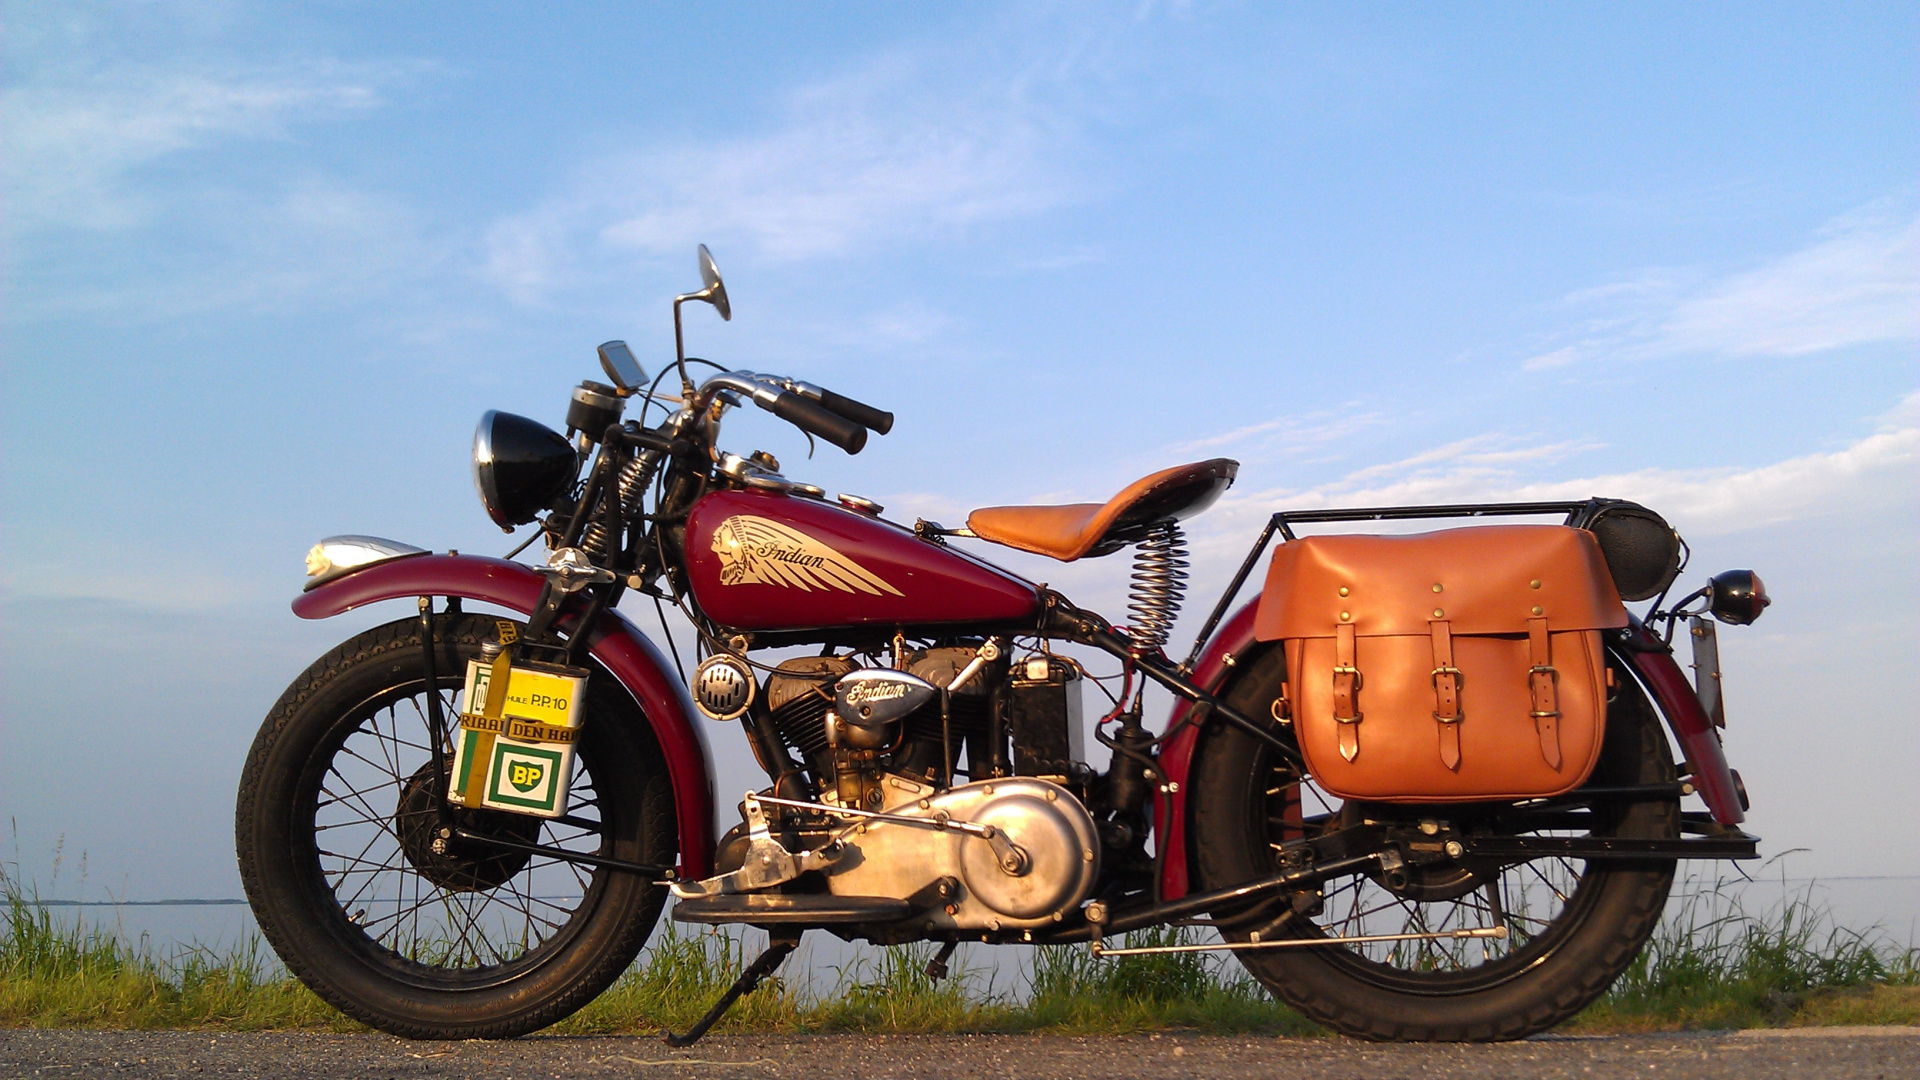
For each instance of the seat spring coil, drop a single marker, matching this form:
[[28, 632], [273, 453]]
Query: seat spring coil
[[1159, 584]]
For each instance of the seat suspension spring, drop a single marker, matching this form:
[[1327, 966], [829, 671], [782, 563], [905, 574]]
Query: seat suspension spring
[[1159, 584]]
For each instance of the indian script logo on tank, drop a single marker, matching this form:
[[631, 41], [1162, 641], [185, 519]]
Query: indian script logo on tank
[[755, 550]]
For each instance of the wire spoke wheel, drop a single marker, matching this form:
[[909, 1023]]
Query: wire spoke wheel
[[383, 907], [467, 906], [1515, 947], [1482, 916]]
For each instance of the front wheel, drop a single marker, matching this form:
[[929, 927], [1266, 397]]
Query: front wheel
[[335, 830], [1571, 926]]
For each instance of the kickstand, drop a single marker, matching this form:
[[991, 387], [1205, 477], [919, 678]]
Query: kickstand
[[749, 979], [937, 967]]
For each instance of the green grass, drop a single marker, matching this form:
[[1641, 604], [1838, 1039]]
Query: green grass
[[1788, 966], [1714, 965], [1070, 993], [54, 975]]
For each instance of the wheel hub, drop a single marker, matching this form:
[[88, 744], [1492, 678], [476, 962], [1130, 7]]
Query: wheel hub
[[452, 863]]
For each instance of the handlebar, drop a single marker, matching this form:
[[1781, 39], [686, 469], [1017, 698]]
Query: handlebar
[[792, 406], [815, 420], [860, 413], [867, 415]]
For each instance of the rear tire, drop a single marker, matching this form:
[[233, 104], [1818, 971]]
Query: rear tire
[[1574, 926], [331, 835]]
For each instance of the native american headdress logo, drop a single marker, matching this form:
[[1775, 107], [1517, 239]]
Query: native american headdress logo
[[754, 550]]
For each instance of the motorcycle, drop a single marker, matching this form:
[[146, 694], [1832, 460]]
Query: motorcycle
[[466, 824]]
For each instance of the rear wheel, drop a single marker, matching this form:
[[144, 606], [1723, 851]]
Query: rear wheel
[[1571, 926], [336, 827]]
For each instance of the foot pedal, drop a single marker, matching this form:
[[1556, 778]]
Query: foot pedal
[[807, 909]]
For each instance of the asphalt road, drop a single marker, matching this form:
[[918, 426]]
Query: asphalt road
[[1803, 1054]]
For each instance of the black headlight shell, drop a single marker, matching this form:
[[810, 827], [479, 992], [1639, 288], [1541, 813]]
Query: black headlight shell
[[520, 467]]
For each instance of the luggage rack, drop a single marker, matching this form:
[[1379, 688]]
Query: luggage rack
[[1577, 513]]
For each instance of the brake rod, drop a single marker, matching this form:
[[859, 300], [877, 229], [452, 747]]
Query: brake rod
[[657, 873]]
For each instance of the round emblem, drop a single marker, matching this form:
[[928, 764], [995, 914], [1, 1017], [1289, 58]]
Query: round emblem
[[723, 686]]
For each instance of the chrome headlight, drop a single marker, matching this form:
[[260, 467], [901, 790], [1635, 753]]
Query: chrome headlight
[[520, 467]]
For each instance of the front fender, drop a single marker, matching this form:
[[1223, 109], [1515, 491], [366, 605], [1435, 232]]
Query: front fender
[[617, 644]]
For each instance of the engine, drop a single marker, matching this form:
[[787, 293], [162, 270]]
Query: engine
[[880, 740], [850, 763]]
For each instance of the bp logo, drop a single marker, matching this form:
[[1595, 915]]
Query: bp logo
[[524, 777]]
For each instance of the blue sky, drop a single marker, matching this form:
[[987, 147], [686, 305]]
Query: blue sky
[[264, 266]]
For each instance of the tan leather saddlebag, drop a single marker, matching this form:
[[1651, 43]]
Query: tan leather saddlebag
[[1449, 666]]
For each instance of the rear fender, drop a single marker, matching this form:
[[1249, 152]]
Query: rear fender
[[617, 644], [1232, 640], [1653, 663]]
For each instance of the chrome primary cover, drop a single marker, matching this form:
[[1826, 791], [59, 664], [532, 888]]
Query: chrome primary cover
[[1044, 820]]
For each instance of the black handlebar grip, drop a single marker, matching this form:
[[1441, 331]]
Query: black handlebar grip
[[867, 415], [815, 420]]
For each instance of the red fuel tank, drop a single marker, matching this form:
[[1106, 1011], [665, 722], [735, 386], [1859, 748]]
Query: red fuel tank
[[764, 561]]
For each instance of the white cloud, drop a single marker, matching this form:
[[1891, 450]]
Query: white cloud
[[887, 153], [1560, 357], [1880, 467], [1289, 435], [1858, 284], [311, 241], [71, 142]]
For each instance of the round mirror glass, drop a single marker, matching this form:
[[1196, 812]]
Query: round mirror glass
[[716, 290]]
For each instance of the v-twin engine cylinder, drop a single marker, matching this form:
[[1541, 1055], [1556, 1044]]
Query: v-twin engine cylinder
[[981, 893]]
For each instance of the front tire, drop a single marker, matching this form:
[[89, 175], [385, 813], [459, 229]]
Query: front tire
[[331, 831], [1573, 926]]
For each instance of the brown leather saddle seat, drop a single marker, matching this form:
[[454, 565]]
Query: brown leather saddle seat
[[1081, 529]]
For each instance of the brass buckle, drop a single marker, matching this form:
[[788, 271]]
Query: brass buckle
[[1537, 715], [1358, 682], [1447, 719], [1459, 677]]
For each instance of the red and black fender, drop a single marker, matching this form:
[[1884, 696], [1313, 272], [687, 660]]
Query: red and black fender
[[1647, 656], [617, 645]]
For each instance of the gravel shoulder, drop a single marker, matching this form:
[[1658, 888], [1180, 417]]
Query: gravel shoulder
[[1798, 1054]]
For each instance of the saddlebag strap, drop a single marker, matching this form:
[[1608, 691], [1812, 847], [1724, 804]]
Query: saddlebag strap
[[1540, 682], [1446, 694], [1346, 691]]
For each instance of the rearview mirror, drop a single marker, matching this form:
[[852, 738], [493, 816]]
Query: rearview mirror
[[618, 362], [715, 292]]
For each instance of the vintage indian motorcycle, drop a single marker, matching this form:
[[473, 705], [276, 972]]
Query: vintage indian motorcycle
[[1419, 786]]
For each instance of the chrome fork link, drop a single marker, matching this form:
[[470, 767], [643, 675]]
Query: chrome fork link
[[1159, 584]]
